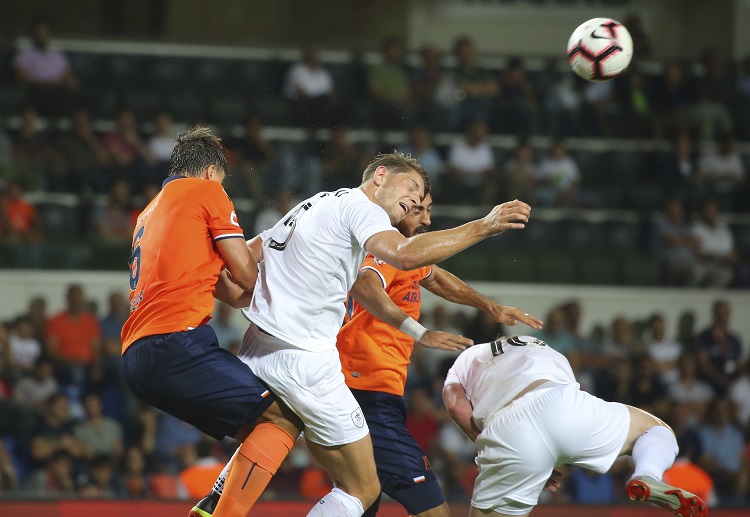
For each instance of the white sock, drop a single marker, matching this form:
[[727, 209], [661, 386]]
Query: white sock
[[654, 452], [219, 483], [337, 503]]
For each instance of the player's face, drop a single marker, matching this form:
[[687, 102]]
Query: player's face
[[399, 193], [418, 219]]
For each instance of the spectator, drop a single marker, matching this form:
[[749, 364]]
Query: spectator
[[270, 215], [20, 226], [675, 245], [342, 161], [73, 337], [663, 350], [723, 443], [708, 114], [55, 433], [558, 178], [112, 222], [117, 312], [719, 349], [517, 101], [647, 391], [129, 154], [434, 92], [420, 147], [6, 151], [201, 468], [641, 40], [99, 481], [56, 476], [679, 170], [102, 435], [37, 313], [722, 171], [520, 173], [85, 156], [473, 175], [717, 256], [35, 161], [9, 478], [482, 328], [636, 117], [310, 88], [171, 435], [589, 487], [160, 145], [134, 481], [622, 342], [227, 334], [563, 102], [388, 85], [671, 99], [555, 333], [599, 109], [44, 72], [37, 386], [739, 393], [690, 391], [256, 161], [477, 89], [25, 349]]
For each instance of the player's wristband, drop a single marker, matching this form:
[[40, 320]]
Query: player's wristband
[[412, 328]]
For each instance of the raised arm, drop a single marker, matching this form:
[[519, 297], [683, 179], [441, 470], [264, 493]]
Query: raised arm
[[369, 293], [459, 408], [432, 247], [444, 284]]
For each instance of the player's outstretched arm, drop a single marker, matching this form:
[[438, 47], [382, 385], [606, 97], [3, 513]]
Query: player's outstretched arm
[[459, 408], [448, 286], [369, 293], [432, 247]]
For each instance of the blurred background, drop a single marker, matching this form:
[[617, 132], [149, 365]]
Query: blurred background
[[637, 256]]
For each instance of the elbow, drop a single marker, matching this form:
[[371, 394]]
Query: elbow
[[406, 261]]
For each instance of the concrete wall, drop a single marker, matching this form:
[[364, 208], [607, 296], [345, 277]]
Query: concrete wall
[[600, 304]]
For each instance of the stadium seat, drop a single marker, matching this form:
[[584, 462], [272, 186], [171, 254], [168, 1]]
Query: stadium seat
[[59, 222], [11, 99], [741, 234], [273, 111], [125, 71], [210, 75], [170, 73], [144, 103], [644, 198], [88, 68], [228, 110], [623, 167], [639, 269], [103, 105], [471, 265], [621, 235], [185, 106], [540, 234], [257, 77], [598, 269], [512, 266], [580, 235], [556, 268]]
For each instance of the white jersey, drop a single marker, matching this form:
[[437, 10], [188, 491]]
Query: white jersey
[[309, 262], [494, 373]]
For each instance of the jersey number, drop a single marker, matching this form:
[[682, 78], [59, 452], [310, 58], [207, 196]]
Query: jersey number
[[135, 259]]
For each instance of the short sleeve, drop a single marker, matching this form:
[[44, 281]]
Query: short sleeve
[[452, 377], [363, 218], [220, 215], [385, 271]]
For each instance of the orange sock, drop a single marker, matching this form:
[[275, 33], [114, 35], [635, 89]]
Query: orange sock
[[257, 460]]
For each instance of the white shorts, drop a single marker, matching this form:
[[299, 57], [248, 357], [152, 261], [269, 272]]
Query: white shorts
[[545, 428], [311, 383]]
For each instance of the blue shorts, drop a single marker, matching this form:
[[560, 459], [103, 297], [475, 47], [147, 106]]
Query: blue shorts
[[403, 468], [188, 375]]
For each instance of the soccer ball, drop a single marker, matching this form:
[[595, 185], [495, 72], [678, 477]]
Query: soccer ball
[[600, 49]]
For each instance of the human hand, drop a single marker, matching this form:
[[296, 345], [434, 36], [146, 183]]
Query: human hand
[[512, 215], [444, 341], [554, 482], [512, 315]]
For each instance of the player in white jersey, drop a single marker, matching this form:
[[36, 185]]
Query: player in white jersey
[[308, 263], [518, 399]]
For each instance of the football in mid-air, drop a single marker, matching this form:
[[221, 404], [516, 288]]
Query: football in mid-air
[[600, 49]]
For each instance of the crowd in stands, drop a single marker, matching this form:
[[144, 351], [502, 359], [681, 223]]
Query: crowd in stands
[[70, 428]]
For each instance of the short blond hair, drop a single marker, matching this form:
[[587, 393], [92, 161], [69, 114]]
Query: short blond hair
[[397, 162]]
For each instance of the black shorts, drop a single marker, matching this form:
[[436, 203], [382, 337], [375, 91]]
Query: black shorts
[[188, 375], [403, 468]]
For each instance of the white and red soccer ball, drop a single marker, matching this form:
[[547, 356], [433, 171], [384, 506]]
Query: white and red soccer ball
[[600, 49]]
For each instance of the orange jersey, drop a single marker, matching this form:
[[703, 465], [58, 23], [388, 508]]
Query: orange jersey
[[374, 355], [174, 265]]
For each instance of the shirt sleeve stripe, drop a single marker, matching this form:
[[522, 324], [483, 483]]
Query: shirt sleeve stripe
[[230, 236], [382, 278]]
